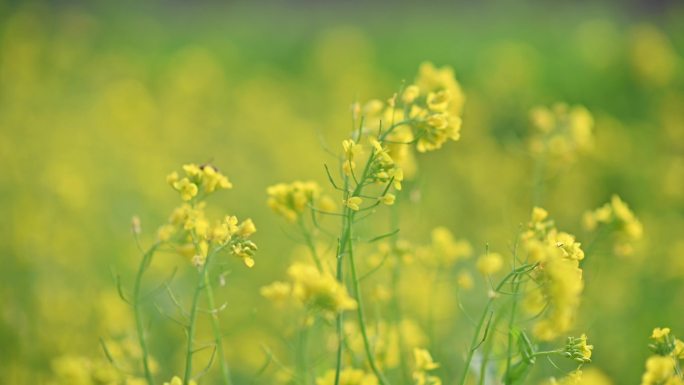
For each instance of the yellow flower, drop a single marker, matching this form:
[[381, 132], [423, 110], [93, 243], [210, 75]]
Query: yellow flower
[[351, 151], [423, 364], [627, 228], [187, 189], [246, 228], [320, 290], [556, 298], [388, 199], [490, 263], [423, 360], [411, 93], [659, 334], [444, 249], [438, 101], [658, 370], [177, 381], [464, 280], [561, 131], [212, 179], [353, 203], [348, 376], [277, 291], [291, 200]]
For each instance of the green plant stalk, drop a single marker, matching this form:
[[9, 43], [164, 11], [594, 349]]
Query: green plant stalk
[[339, 321], [193, 313], [511, 321], [360, 314], [310, 244], [301, 354], [396, 305], [144, 264], [487, 350], [344, 241], [474, 342], [218, 336]]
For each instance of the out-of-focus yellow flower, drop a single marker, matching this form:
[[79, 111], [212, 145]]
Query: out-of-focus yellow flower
[[444, 249], [556, 299], [178, 381], [353, 203], [561, 131], [348, 376], [423, 363], [627, 228], [277, 292], [489, 264], [319, 290], [291, 199], [464, 280], [658, 370]]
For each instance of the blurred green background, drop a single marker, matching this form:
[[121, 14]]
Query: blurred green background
[[99, 102]]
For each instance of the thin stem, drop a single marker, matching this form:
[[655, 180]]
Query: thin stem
[[360, 314], [474, 344], [193, 313], [339, 322], [344, 242], [301, 354], [218, 336], [487, 350], [547, 353], [144, 264], [310, 244], [511, 321]]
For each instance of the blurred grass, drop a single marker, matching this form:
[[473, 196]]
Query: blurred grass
[[98, 103]]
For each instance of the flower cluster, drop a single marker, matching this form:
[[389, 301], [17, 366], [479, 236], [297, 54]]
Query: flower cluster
[[489, 264], [573, 378], [423, 365], [80, 370], [444, 249], [664, 344], [315, 289], [198, 179], [557, 273], [617, 214], [290, 200], [189, 229], [661, 370], [561, 131], [427, 112], [384, 168], [577, 349]]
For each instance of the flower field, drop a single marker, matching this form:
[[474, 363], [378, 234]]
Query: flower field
[[342, 194]]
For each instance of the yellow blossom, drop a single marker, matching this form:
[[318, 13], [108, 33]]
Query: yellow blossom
[[353, 203], [489, 263]]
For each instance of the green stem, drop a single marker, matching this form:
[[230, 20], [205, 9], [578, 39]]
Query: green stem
[[548, 352], [144, 264], [511, 321], [360, 315], [218, 336], [474, 342], [339, 322], [193, 313], [301, 354], [487, 350], [344, 242], [310, 244]]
